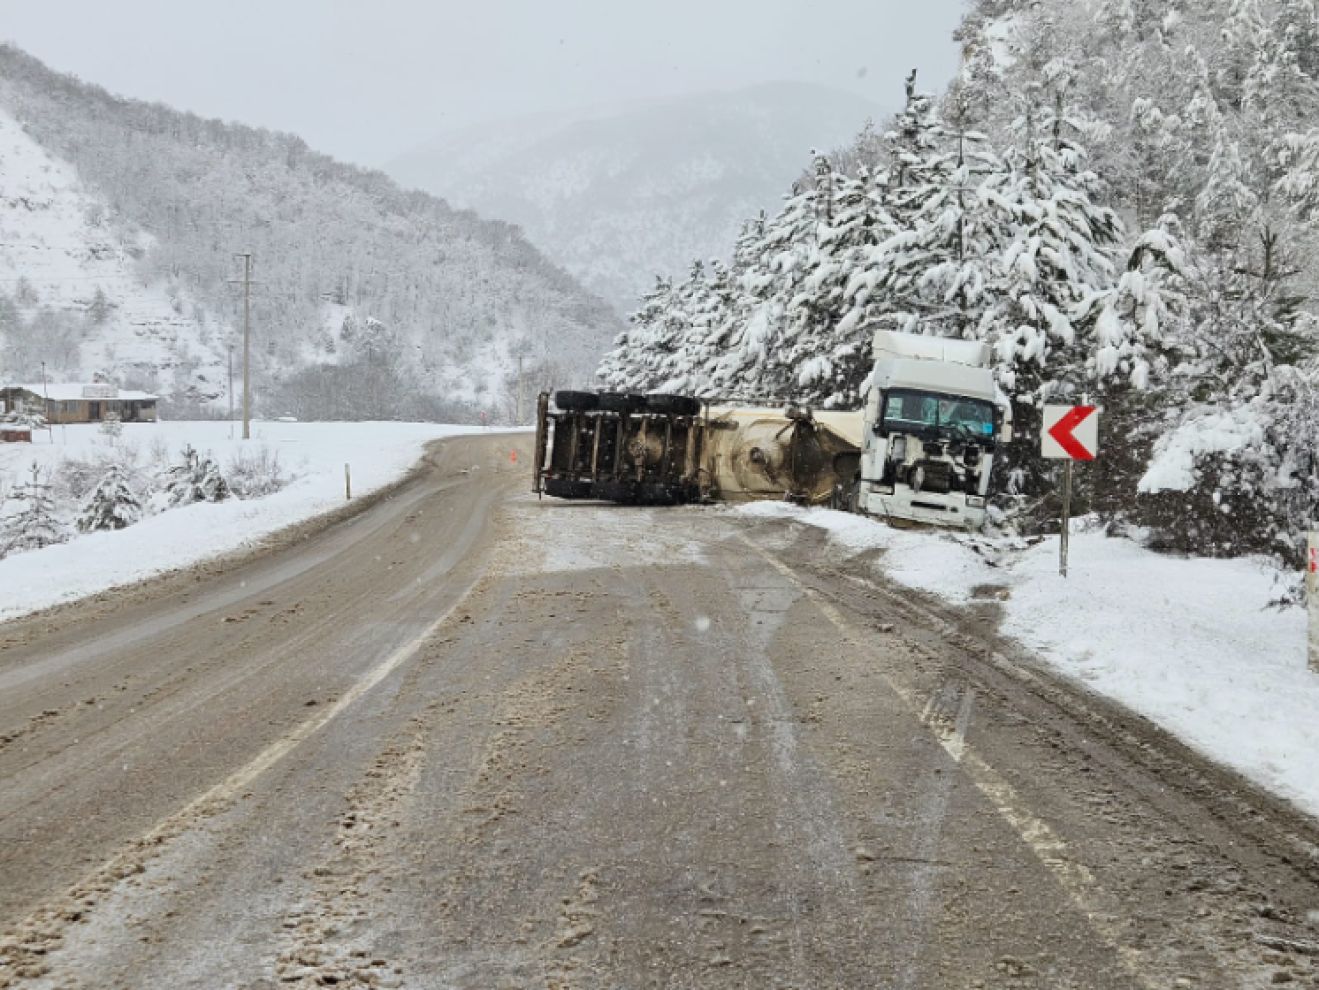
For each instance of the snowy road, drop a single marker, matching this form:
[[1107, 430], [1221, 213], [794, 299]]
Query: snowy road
[[472, 740]]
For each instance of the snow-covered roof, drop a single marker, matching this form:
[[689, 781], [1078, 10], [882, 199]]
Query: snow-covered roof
[[890, 344], [945, 377], [73, 391]]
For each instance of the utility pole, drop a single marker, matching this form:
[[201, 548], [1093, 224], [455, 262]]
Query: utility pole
[[45, 394], [519, 412], [247, 344]]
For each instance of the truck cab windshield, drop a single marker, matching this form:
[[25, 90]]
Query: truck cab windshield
[[925, 412]]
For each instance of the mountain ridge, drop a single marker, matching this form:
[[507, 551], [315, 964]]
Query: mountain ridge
[[618, 195], [352, 269]]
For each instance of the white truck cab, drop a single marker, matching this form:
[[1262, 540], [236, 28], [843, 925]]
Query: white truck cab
[[934, 418]]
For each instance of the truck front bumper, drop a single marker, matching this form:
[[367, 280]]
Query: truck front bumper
[[929, 508]]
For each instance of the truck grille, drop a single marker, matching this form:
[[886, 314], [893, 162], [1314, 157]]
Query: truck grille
[[938, 476]]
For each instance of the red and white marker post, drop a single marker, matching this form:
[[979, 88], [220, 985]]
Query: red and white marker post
[[1069, 433]]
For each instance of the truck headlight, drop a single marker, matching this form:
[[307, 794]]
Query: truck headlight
[[975, 501]]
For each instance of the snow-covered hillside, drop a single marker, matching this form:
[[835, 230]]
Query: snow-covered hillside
[[619, 195], [74, 279], [122, 220]]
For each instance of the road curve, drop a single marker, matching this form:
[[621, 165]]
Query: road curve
[[471, 739]]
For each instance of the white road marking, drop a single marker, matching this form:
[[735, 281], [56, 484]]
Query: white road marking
[[44, 924], [1075, 879], [956, 746]]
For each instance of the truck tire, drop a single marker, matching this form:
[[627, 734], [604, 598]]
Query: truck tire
[[576, 401], [658, 493], [568, 488], [846, 496], [673, 405], [617, 491], [621, 402]]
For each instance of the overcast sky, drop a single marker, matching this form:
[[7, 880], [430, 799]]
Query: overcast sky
[[368, 79]]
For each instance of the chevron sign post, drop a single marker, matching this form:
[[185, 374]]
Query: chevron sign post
[[1069, 433]]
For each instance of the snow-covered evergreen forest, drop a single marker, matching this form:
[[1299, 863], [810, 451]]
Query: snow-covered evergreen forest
[[117, 261], [1119, 196]]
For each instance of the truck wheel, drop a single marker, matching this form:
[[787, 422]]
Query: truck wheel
[[621, 402], [672, 405], [617, 491], [846, 496], [576, 401], [560, 488], [658, 493], [569, 488]]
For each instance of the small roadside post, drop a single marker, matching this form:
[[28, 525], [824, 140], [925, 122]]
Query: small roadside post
[[347, 484], [1312, 595], [1069, 433]]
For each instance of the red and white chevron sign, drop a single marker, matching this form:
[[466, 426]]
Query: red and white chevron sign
[[1070, 433]]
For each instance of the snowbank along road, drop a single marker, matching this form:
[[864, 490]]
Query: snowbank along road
[[468, 739]]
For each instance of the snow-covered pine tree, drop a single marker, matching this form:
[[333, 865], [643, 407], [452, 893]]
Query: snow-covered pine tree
[[929, 275], [1061, 249], [1138, 324], [1300, 20], [1225, 201], [32, 523], [1241, 37], [112, 427], [1137, 328], [1211, 121], [689, 369], [671, 356], [801, 362], [622, 368], [196, 478], [752, 364], [914, 142], [731, 298], [1253, 473], [828, 349], [1243, 366], [1276, 91], [111, 505], [1058, 251], [1298, 157], [23, 417]]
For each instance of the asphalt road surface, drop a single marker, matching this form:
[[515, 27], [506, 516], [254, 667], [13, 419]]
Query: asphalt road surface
[[470, 739]]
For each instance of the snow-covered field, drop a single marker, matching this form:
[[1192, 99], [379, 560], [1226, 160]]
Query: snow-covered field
[[311, 455], [1190, 643]]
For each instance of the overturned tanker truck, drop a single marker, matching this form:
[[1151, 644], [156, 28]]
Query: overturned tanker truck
[[921, 450]]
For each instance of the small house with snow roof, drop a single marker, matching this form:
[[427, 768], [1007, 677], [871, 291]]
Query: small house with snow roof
[[61, 402]]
